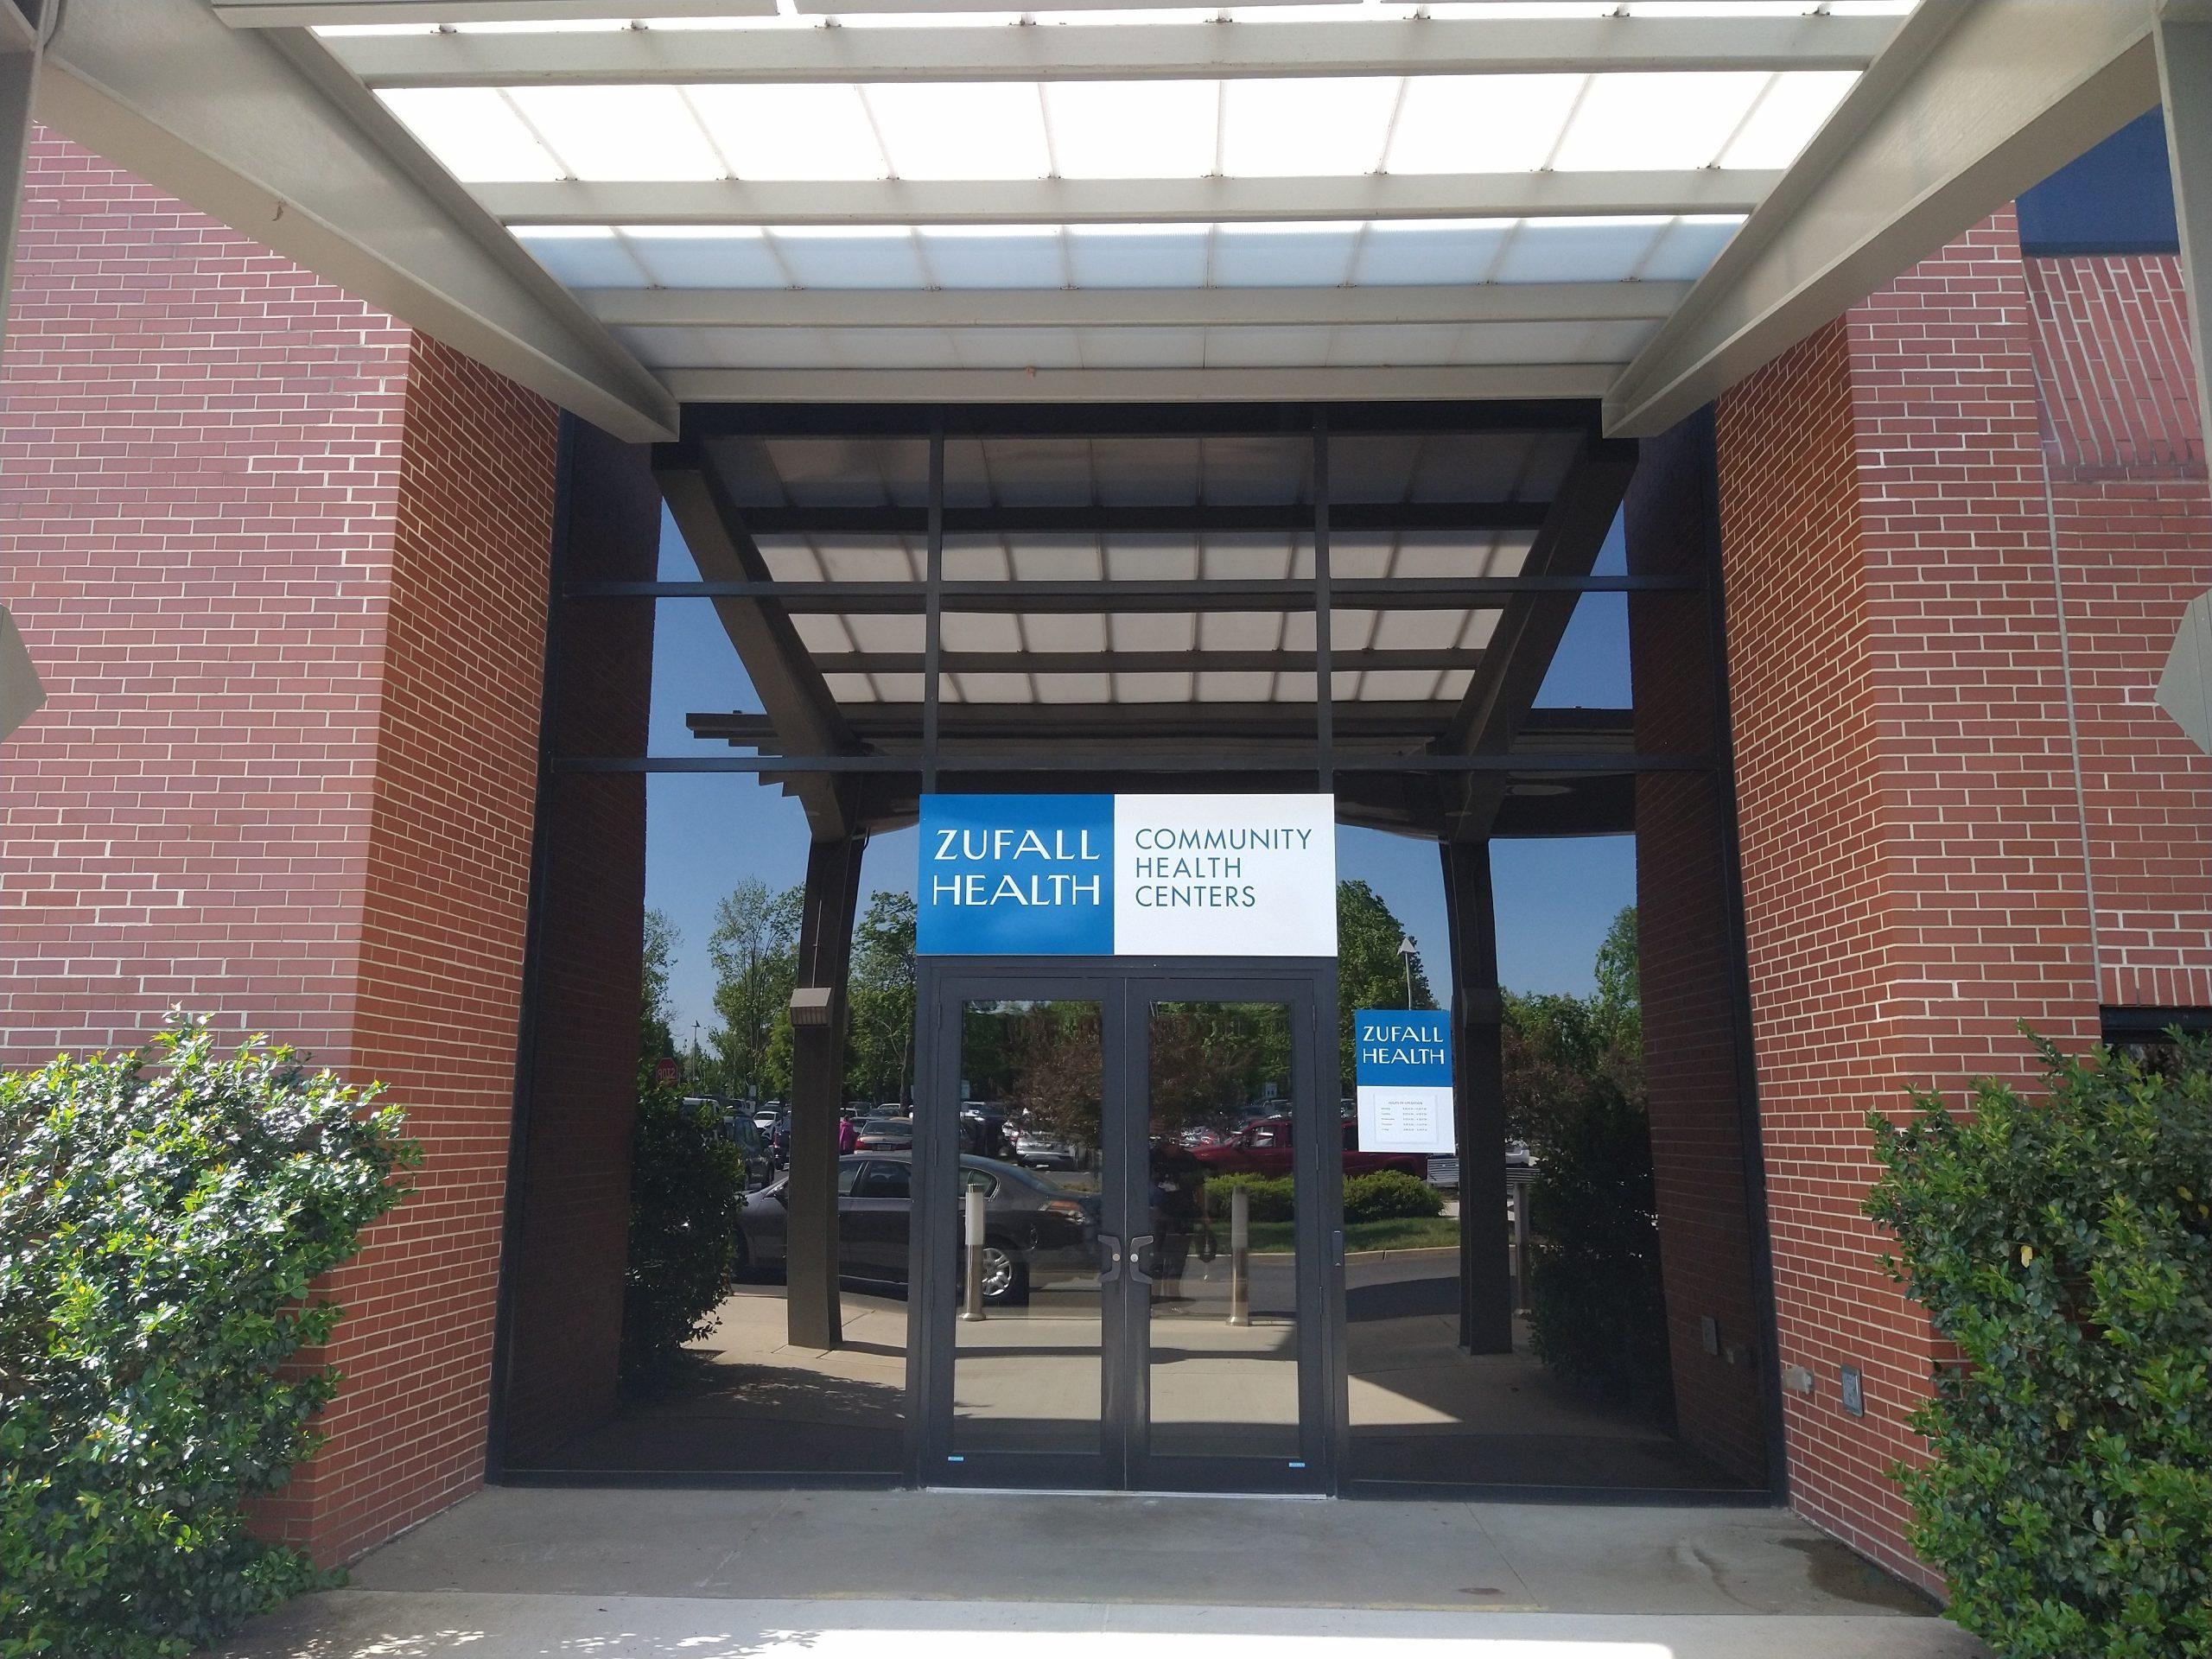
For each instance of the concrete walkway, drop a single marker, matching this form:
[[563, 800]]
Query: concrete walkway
[[844, 1575]]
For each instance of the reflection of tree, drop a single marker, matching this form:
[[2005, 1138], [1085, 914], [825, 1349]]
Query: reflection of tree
[[1056, 1053], [1209, 1058]]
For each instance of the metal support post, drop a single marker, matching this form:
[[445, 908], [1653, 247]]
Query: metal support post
[[814, 1315], [1240, 1255], [971, 1225], [1478, 1100]]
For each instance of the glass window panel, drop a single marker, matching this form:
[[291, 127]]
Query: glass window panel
[[1282, 256], [1394, 252], [709, 256], [1688, 246], [995, 687], [1322, 126], [1138, 256], [994, 256], [981, 631], [1151, 688], [1794, 109], [1480, 124], [584, 256], [838, 256], [1133, 130], [1657, 119], [1224, 1325], [1578, 249], [620, 132], [970, 129], [1029, 1374], [475, 132], [789, 132]]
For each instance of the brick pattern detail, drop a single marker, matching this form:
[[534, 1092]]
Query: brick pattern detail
[[1912, 835], [281, 565], [1690, 1026], [2131, 527]]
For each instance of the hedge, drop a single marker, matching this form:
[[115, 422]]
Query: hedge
[[163, 1222], [2064, 1246], [687, 1190], [1383, 1195]]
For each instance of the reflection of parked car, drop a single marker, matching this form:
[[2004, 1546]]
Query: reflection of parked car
[[1263, 1148], [885, 1135], [983, 1129], [1040, 1149], [1033, 1232]]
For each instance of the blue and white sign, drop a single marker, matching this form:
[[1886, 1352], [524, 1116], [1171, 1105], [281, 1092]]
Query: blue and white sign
[[1132, 875], [1402, 1068]]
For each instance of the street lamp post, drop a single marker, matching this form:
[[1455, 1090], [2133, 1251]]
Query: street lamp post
[[1406, 949]]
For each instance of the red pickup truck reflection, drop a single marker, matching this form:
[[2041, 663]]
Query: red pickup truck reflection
[[1263, 1148]]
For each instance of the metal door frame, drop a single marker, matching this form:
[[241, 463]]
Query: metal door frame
[[1123, 986]]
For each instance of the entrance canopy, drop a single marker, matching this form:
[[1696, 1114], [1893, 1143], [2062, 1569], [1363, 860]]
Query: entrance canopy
[[634, 205], [1153, 597]]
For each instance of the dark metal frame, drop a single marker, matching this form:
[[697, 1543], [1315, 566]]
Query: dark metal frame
[[1125, 987]]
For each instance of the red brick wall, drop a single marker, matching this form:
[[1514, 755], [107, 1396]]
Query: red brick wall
[[2132, 527], [439, 994], [1912, 834], [282, 566], [1685, 974], [199, 464]]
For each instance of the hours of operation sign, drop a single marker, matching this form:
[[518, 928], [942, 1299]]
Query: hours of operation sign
[[1148, 875], [1401, 1067]]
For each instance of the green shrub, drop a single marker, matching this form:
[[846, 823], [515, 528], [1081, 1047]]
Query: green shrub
[[687, 1188], [1388, 1195], [1273, 1197], [2065, 1246], [161, 1227], [1385, 1195]]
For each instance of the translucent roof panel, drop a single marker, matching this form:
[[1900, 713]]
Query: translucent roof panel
[[1376, 253], [1331, 126]]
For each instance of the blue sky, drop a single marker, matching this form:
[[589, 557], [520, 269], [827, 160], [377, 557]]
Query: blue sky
[[705, 833]]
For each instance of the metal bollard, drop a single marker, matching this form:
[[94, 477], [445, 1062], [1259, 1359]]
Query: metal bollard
[[1240, 1255], [972, 1303]]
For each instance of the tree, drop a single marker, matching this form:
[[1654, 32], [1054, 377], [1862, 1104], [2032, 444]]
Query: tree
[[655, 1040], [754, 950], [1574, 1095], [1370, 972], [880, 1048]]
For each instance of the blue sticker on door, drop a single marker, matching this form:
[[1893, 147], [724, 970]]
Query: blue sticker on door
[[1029, 875]]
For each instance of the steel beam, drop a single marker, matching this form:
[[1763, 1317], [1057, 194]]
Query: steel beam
[[21, 46], [228, 123], [1124, 308], [1972, 101], [1459, 46], [1204, 518], [2185, 53], [1125, 201], [1497, 700], [1289, 660], [1087, 597], [1529, 380], [703, 423], [783, 675]]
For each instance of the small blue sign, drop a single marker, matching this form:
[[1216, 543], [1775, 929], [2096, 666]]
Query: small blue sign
[[1028, 875], [1395, 1049]]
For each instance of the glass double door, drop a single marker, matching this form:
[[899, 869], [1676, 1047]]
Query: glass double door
[[1126, 1207]]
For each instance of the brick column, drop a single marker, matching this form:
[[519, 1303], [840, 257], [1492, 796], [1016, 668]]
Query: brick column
[[282, 566], [1911, 838]]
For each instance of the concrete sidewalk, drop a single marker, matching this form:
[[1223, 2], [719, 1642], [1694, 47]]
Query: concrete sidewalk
[[845, 1576]]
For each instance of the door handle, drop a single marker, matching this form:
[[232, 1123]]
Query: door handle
[[1138, 1246], [1110, 1249]]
